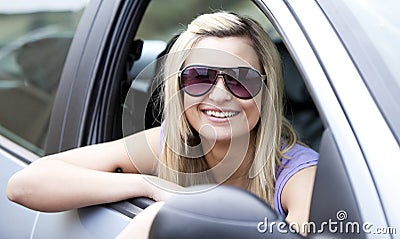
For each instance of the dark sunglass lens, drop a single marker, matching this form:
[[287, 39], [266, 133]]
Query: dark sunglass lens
[[237, 87], [244, 82], [197, 80]]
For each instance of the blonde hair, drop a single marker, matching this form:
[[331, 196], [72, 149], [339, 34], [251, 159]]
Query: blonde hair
[[272, 130]]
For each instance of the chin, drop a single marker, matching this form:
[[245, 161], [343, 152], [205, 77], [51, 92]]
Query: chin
[[222, 134]]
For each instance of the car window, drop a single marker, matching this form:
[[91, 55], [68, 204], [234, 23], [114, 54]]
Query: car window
[[34, 41]]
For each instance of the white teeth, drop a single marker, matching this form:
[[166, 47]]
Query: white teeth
[[220, 114]]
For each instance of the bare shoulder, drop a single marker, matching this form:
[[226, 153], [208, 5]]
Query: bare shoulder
[[302, 178]]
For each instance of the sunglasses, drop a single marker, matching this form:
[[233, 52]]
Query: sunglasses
[[242, 82]]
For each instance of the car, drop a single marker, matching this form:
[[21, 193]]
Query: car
[[66, 68]]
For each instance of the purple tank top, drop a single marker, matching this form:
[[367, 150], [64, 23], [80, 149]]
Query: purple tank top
[[297, 158]]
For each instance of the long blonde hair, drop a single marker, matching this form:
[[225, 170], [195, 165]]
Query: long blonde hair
[[272, 130]]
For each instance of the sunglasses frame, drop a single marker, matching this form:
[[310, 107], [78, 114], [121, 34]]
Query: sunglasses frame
[[221, 72]]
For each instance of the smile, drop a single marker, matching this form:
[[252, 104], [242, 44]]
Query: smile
[[220, 114]]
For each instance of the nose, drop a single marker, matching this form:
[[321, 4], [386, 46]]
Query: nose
[[219, 92]]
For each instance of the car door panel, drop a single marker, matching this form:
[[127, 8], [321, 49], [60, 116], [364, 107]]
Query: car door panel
[[16, 221], [86, 223]]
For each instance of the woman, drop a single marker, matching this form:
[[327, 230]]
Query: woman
[[223, 123]]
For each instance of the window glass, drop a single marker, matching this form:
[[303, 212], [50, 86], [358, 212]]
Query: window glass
[[34, 40]]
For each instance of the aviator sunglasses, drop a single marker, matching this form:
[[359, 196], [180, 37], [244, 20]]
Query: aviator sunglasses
[[242, 82]]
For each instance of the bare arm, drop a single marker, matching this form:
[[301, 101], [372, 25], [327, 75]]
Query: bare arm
[[296, 197], [85, 176]]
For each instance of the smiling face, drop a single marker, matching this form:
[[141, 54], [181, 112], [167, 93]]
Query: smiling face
[[218, 114]]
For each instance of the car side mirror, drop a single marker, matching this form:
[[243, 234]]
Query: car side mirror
[[218, 212]]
